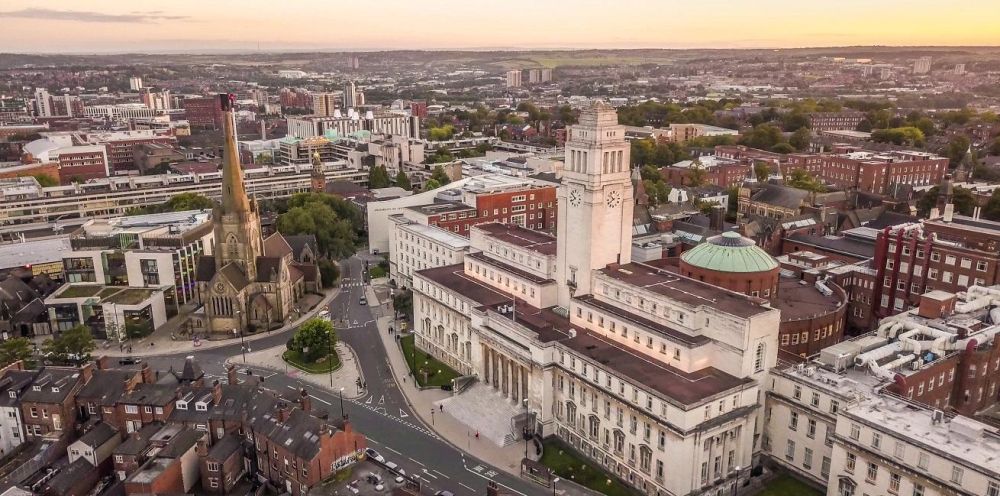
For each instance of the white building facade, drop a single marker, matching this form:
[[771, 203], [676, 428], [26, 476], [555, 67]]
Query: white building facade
[[655, 377]]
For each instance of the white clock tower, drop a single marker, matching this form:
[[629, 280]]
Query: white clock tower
[[595, 201]]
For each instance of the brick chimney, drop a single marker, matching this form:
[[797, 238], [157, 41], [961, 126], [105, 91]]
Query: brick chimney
[[305, 401], [87, 372], [216, 392], [231, 375], [103, 362], [129, 386], [283, 411], [147, 374]]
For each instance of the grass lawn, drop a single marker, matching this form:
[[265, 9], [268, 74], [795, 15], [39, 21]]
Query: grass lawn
[[438, 374], [564, 462], [786, 485], [295, 359]]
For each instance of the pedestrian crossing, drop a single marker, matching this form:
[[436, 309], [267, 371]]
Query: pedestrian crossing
[[378, 406], [352, 284]]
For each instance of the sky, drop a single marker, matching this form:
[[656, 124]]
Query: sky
[[86, 26]]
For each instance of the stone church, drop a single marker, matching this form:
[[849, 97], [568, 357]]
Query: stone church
[[249, 282]]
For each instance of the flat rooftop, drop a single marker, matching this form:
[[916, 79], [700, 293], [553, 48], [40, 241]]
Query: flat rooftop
[[685, 290], [519, 236], [34, 252], [803, 301], [438, 234]]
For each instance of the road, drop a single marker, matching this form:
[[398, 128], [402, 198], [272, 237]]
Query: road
[[382, 413]]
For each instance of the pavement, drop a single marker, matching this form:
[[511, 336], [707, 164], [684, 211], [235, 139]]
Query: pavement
[[344, 380], [165, 340]]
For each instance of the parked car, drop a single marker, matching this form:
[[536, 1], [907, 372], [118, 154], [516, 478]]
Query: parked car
[[363, 301], [129, 360], [444, 493], [374, 455]]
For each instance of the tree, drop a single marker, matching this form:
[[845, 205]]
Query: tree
[[402, 303], [402, 180], [442, 133], [177, 203], [761, 170], [336, 236], [431, 184], [440, 175], [956, 149], [962, 198], [313, 340], [45, 180], [801, 179], [378, 177], [696, 175], [343, 208], [899, 136], [800, 139], [763, 137], [794, 120], [994, 148], [15, 349], [77, 342], [329, 271], [783, 148]]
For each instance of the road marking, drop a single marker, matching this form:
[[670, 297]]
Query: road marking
[[370, 398], [381, 400], [441, 474], [402, 414], [327, 403], [392, 450], [418, 463], [467, 487], [430, 474]]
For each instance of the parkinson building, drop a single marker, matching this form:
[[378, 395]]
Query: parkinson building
[[655, 376]]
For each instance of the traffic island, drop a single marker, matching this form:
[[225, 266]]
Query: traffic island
[[567, 465], [321, 366], [429, 371]]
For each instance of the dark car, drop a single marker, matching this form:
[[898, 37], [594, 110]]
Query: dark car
[[129, 360]]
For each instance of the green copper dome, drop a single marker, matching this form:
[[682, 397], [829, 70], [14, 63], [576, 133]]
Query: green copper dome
[[729, 252]]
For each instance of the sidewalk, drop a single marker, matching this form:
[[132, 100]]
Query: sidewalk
[[423, 402], [345, 377], [161, 341]]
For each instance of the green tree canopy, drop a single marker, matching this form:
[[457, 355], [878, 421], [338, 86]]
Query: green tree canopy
[[800, 139], [442, 133], [899, 136], [994, 148], [402, 180], [763, 137], [431, 184], [15, 349], [342, 207], [336, 236], [402, 302], [378, 177], [761, 170], [962, 198], [329, 271], [314, 339], [801, 179], [956, 149], [696, 175], [177, 203], [76, 343], [440, 175]]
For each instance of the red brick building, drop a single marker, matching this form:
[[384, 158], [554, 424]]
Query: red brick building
[[721, 172], [835, 121], [946, 253], [204, 112], [532, 206], [81, 163], [872, 172]]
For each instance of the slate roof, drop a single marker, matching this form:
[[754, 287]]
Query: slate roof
[[889, 218], [234, 274], [138, 441], [276, 246], [266, 266], [782, 196], [98, 435], [150, 395], [224, 447], [299, 242], [17, 381], [180, 443], [61, 378], [206, 268], [299, 434], [106, 386], [192, 370], [68, 477]]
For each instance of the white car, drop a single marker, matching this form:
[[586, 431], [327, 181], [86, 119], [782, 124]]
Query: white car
[[374, 455]]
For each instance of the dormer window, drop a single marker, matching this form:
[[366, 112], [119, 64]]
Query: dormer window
[[55, 390], [201, 406], [182, 405], [36, 388], [12, 394]]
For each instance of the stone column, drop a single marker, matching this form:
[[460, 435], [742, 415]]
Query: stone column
[[524, 382], [496, 369], [505, 378], [514, 385], [486, 363]]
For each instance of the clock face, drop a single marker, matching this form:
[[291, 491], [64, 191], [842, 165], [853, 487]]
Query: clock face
[[574, 197], [220, 288], [614, 198]]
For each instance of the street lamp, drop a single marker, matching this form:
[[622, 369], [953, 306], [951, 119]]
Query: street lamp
[[432, 416], [736, 483], [524, 429], [243, 345], [329, 355], [342, 415], [554, 486]]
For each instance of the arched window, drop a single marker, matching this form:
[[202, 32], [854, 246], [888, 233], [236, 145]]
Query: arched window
[[571, 413], [594, 426], [619, 441], [758, 361], [645, 458]]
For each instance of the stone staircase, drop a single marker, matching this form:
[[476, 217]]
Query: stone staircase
[[483, 410]]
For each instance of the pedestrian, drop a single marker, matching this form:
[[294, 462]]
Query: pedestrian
[[477, 434], [441, 407]]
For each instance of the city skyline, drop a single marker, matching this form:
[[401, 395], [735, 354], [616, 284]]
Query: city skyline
[[112, 26]]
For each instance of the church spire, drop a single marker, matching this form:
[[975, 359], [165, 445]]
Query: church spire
[[234, 194]]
